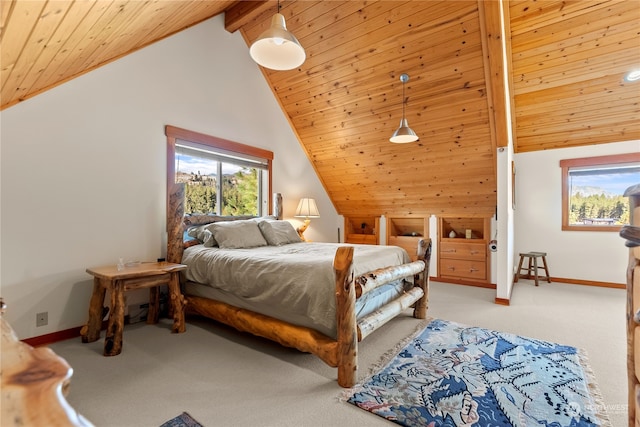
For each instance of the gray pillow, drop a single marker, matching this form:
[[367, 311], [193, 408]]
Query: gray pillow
[[197, 231], [279, 233], [208, 241], [205, 236], [237, 234]]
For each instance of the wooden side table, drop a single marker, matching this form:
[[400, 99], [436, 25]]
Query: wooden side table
[[144, 275]]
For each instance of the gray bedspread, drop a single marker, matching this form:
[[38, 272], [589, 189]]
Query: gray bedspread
[[293, 282]]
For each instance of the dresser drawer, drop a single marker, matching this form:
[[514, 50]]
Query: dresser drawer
[[463, 250], [467, 269]]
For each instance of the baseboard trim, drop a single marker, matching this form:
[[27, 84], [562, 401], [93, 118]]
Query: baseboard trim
[[464, 282], [589, 283], [53, 337]]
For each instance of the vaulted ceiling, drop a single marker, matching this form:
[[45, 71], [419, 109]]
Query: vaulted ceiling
[[565, 66]]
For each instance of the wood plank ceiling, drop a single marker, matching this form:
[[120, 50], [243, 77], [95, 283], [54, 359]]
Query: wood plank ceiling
[[566, 68]]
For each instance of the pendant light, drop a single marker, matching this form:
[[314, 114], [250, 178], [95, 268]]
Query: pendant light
[[277, 48], [404, 133]]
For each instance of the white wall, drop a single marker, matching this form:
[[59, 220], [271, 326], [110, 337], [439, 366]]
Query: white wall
[[83, 165], [502, 260], [583, 255]]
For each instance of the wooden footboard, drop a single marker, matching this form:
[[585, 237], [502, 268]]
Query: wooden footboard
[[341, 352], [304, 339]]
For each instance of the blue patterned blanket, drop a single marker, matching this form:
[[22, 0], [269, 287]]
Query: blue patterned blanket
[[455, 375]]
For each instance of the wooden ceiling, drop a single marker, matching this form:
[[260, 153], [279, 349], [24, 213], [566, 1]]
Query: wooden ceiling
[[565, 66]]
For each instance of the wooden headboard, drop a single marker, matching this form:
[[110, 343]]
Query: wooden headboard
[[177, 222], [175, 192]]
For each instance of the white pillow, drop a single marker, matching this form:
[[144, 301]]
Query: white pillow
[[237, 234], [279, 233]]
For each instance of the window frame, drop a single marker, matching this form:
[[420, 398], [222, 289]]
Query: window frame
[[174, 133], [567, 164]]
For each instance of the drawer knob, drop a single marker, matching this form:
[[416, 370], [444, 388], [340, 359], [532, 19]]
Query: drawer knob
[[451, 268], [473, 269]]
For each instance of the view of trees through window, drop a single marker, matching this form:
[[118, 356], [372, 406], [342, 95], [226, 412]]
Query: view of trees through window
[[238, 186], [596, 195]]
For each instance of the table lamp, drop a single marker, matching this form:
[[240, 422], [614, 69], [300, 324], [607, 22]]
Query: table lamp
[[307, 208]]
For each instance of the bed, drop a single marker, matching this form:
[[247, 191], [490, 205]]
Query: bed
[[320, 298]]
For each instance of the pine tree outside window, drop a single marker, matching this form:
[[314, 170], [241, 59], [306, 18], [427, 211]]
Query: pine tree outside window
[[592, 191], [220, 177], [217, 182]]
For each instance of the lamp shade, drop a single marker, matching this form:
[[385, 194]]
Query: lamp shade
[[307, 208], [404, 133], [277, 48]]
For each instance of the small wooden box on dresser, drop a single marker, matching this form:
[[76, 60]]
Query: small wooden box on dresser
[[463, 250], [406, 232], [361, 229]]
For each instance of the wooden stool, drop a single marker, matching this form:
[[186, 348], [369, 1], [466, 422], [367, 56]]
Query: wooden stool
[[532, 267]]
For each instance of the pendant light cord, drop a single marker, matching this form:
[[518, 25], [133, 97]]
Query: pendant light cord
[[403, 100]]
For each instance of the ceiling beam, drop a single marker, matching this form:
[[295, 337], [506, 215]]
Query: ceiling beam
[[244, 12], [495, 55]]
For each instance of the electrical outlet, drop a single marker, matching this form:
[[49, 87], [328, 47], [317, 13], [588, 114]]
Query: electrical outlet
[[42, 319]]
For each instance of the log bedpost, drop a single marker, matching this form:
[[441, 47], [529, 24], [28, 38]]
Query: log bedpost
[[175, 227], [346, 318], [422, 279], [175, 230], [277, 206]]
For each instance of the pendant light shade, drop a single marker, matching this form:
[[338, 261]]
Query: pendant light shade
[[404, 133], [277, 48]]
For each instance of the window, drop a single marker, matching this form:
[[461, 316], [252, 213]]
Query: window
[[592, 191], [221, 177]]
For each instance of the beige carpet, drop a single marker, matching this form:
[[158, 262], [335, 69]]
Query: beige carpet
[[225, 378]]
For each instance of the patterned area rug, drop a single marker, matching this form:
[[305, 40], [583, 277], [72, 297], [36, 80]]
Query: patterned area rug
[[455, 375], [182, 420]]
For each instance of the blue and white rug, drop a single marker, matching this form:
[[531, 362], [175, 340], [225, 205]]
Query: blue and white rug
[[456, 375]]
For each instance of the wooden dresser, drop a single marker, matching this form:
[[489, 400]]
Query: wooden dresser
[[463, 254], [34, 381], [632, 235]]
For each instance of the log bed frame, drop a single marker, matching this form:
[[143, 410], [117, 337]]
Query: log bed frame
[[340, 352]]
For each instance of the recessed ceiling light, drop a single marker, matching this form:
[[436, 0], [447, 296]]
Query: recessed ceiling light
[[632, 76]]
